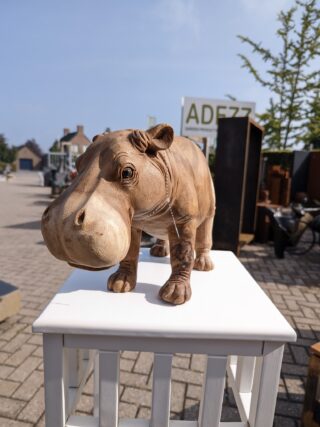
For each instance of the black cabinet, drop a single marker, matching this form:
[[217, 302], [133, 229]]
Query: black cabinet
[[236, 180]]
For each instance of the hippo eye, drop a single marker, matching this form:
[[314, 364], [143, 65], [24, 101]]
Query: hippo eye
[[127, 173]]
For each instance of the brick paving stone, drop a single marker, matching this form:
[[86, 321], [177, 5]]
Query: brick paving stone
[[38, 352], [198, 362], [10, 407], [35, 339], [130, 355], [25, 369], [41, 422], [282, 390], [127, 410], [183, 355], [85, 404], [7, 388], [194, 391], [175, 416], [12, 332], [2, 343], [180, 362], [5, 371], [191, 410], [3, 356], [287, 355], [285, 408], [300, 355], [229, 414], [16, 343], [126, 365], [293, 369], [187, 376], [136, 396], [295, 388], [29, 386], [144, 413], [88, 388], [5, 422], [133, 379], [229, 399], [178, 390], [284, 422], [20, 355], [144, 363], [34, 408]]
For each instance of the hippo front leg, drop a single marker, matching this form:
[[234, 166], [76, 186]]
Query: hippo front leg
[[125, 278], [177, 289]]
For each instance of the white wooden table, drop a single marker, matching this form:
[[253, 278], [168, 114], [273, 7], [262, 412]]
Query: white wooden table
[[229, 318]]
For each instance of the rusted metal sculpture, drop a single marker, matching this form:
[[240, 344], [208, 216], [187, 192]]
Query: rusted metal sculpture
[[128, 181]]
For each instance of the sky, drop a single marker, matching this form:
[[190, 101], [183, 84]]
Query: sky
[[103, 63]]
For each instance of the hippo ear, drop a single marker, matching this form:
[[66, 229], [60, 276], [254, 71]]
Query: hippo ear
[[156, 138], [161, 137]]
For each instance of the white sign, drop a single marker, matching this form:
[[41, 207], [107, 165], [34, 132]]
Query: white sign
[[200, 116]]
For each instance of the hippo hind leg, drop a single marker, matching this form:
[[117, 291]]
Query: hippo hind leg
[[160, 248], [203, 261]]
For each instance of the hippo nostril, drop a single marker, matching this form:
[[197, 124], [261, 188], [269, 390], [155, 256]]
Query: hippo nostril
[[80, 218]]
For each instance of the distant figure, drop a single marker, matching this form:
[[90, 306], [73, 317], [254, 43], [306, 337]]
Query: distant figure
[[7, 172], [41, 178]]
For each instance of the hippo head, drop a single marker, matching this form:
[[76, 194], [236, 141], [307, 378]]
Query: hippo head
[[119, 176]]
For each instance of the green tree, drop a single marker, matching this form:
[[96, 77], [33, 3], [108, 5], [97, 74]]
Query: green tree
[[289, 75], [55, 147], [34, 146], [311, 136], [7, 154]]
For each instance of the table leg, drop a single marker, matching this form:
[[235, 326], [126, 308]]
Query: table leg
[[75, 366], [213, 390], [265, 388], [96, 385], [55, 366], [161, 390], [108, 388], [244, 373]]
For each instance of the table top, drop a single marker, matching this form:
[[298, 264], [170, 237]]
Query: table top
[[226, 303]]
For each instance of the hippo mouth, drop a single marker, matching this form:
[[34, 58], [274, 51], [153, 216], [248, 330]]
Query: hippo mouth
[[85, 267]]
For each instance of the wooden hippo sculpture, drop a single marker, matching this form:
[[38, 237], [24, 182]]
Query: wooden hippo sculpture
[[128, 181]]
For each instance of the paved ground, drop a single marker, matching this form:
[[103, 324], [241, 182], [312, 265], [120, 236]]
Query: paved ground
[[292, 284]]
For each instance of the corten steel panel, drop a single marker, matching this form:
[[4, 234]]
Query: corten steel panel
[[230, 171], [237, 167], [314, 176], [252, 179], [299, 172]]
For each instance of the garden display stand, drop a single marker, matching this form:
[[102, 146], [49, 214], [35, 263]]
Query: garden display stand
[[229, 318]]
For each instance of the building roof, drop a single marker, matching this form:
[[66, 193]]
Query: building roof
[[20, 147], [68, 137]]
